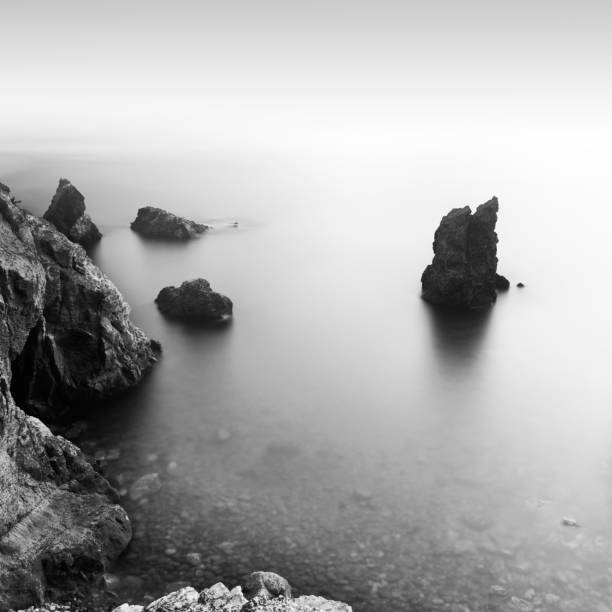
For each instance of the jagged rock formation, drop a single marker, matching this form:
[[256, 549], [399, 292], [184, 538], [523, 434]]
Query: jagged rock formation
[[67, 213], [79, 342], [274, 595], [463, 271], [158, 223], [65, 337], [194, 300]]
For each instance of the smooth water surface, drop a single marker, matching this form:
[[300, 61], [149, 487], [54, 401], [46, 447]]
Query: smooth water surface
[[340, 431]]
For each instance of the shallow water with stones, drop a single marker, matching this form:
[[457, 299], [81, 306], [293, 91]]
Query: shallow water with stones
[[340, 431]]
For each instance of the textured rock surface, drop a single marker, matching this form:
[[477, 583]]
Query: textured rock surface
[[64, 336], [158, 223], [218, 598], [463, 271], [67, 213], [75, 340], [194, 300], [266, 585]]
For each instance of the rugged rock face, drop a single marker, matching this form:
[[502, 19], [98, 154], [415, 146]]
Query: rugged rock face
[[219, 598], [158, 223], [79, 344], [67, 213], [463, 271], [194, 300], [65, 337]]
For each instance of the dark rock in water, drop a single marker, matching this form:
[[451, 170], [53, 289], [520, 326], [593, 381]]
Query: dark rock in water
[[520, 285], [194, 300], [158, 223], [463, 271], [67, 213], [65, 338], [266, 585], [501, 283]]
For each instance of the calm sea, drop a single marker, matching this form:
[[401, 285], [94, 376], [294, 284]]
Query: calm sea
[[340, 431]]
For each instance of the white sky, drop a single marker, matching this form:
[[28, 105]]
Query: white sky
[[285, 73]]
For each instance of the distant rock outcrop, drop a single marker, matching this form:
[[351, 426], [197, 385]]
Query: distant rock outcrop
[[65, 338], [463, 271], [67, 213], [194, 300], [158, 223]]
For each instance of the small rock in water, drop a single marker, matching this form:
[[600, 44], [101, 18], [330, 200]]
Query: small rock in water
[[223, 435], [521, 605], [520, 285], [194, 558], [498, 591], [146, 485], [111, 581], [501, 283], [113, 454], [568, 521], [362, 495]]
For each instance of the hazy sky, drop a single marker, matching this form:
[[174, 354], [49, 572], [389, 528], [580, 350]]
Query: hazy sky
[[248, 72]]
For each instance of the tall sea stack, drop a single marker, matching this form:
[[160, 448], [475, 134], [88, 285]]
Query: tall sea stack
[[463, 271]]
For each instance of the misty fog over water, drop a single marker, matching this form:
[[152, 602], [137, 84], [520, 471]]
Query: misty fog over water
[[341, 431]]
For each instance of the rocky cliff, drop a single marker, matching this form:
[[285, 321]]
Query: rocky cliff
[[67, 326], [463, 271], [65, 338]]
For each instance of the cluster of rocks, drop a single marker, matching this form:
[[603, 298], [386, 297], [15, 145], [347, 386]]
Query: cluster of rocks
[[66, 341], [263, 592]]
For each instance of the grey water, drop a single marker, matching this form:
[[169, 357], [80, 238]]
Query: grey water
[[341, 431]]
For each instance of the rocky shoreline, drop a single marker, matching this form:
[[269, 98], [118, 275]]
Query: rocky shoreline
[[66, 341], [262, 592]]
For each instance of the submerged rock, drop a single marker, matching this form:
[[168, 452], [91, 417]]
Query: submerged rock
[[67, 213], [463, 271], [146, 485], [158, 223], [65, 338], [194, 300]]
